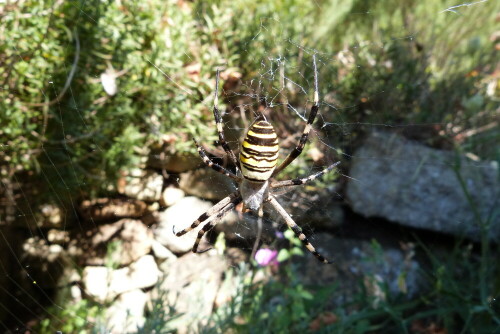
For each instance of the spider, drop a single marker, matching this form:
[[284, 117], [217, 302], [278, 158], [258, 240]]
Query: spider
[[255, 172]]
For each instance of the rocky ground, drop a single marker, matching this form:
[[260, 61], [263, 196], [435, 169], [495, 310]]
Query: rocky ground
[[121, 251]]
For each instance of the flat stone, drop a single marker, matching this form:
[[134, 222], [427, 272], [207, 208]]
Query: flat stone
[[126, 314], [191, 284], [171, 195], [58, 236], [120, 243], [180, 215], [146, 187], [96, 282], [106, 209], [104, 284], [48, 216], [414, 185], [161, 252]]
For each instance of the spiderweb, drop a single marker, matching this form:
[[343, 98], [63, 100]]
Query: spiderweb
[[70, 126]]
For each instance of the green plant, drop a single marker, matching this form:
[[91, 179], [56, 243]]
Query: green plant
[[159, 317], [82, 317], [407, 64], [56, 118], [277, 305], [416, 63]]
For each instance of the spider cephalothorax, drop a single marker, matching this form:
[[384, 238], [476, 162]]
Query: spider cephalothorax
[[255, 171]]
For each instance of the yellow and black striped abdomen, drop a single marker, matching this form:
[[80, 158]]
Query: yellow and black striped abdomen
[[259, 152]]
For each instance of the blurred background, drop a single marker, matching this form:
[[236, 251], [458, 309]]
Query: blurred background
[[100, 100]]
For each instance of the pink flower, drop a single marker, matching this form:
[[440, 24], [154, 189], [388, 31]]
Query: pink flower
[[266, 257]]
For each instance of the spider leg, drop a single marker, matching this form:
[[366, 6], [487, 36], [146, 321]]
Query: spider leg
[[259, 231], [213, 165], [296, 229], [232, 198], [208, 226], [304, 180], [305, 134], [220, 127]]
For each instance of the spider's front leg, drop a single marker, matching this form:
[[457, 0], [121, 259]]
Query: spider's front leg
[[207, 161], [218, 122], [296, 229], [305, 134]]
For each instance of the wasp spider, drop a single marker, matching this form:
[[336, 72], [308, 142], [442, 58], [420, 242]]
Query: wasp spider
[[255, 172]]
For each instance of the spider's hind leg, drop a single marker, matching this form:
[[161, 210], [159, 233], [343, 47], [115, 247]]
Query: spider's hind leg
[[213, 215], [220, 125], [259, 231], [296, 229], [212, 223], [234, 198]]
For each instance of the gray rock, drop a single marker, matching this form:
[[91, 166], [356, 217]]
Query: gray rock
[[53, 215], [357, 261], [408, 183], [103, 209], [48, 216], [126, 314], [59, 237], [142, 185], [171, 195], [96, 282], [104, 284], [191, 285], [181, 215], [118, 243], [45, 262], [161, 252]]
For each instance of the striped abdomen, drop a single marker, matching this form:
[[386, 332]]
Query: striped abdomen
[[259, 152]]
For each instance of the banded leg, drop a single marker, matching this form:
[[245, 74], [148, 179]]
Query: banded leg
[[303, 139], [304, 180], [259, 231], [213, 165], [232, 198], [208, 226], [296, 229], [220, 126]]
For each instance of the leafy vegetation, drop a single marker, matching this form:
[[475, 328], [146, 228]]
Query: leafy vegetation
[[81, 317], [57, 120], [401, 63], [458, 299]]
